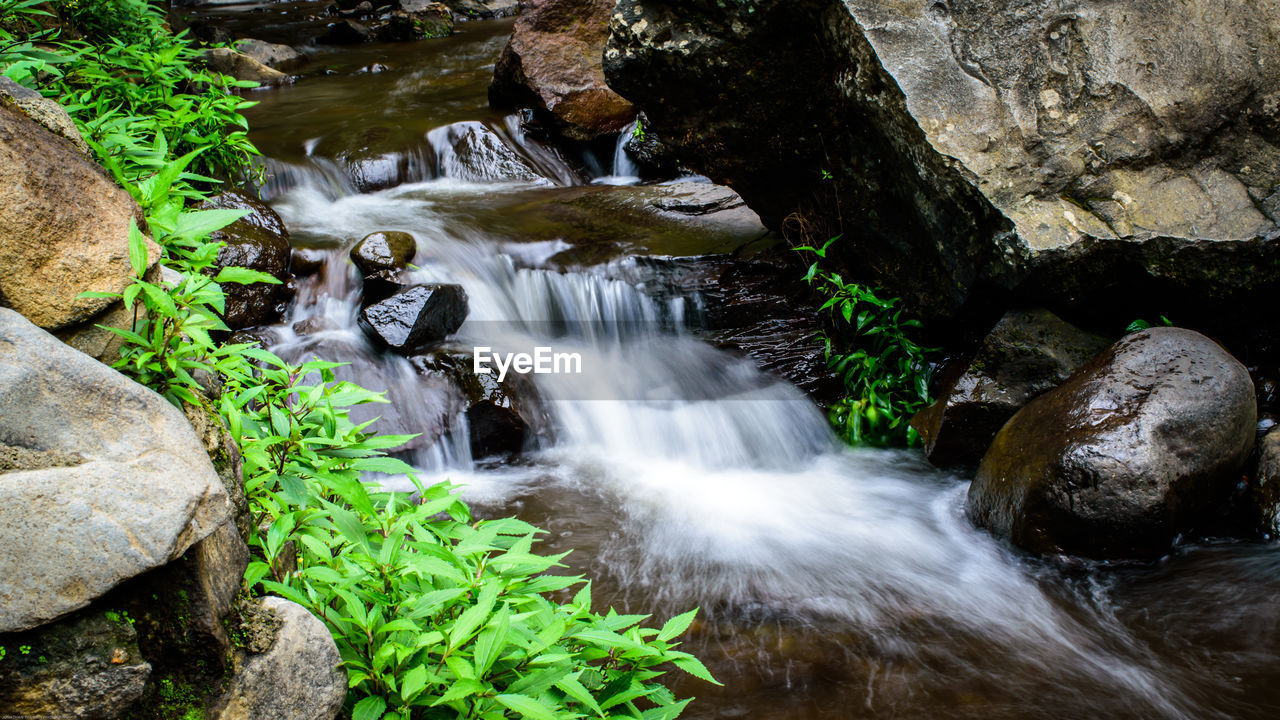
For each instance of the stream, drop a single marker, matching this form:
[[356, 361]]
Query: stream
[[833, 583]]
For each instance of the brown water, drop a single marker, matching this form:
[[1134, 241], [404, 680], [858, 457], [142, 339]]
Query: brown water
[[834, 583]]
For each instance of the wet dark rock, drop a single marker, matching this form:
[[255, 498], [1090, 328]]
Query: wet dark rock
[[1264, 491], [416, 20], [1034, 139], [415, 317], [1026, 354], [381, 251], [503, 417], [346, 32], [657, 161], [1138, 446], [380, 285], [479, 155], [259, 241], [273, 55], [552, 66], [85, 666], [307, 261], [482, 9]]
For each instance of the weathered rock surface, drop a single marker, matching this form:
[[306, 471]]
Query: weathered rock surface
[[86, 666], [1026, 354], [415, 317], [64, 227], [552, 65], [1264, 493], [273, 55], [384, 251], [503, 417], [43, 110], [1092, 153], [241, 66], [299, 677], [1145, 440], [259, 241], [109, 482], [416, 20]]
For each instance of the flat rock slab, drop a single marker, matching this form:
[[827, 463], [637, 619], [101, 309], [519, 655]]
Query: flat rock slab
[[105, 479]]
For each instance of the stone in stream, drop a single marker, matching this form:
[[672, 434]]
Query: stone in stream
[[346, 32], [384, 251], [1103, 156], [1026, 354], [307, 261], [241, 66], [259, 241], [503, 417], [89, 455], [1264, 491], [415, 317], [482, 9], [273, 55], [64, 231], [1138, 446], [416, 20], [298, 676], [552, 66]]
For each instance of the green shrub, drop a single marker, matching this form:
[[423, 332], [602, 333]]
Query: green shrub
[[885, 372]]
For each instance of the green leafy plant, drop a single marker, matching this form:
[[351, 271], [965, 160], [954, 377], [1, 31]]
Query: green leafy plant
[[870, 346], [1141, 324]]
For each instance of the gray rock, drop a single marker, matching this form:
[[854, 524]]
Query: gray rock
[[480, 9], [64, 227], [382, 251], [86, 666], [1026, 354], [143, 492], [299, 677], [43, 110], [1085, 151], [272, 55], [1139, 445]]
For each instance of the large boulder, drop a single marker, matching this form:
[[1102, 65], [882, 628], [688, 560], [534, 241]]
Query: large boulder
[[259, 241], [1026, 354], [101, 479], [1139, 445], [85, 666], [1092, 154], [299, 676], [273, 55], [552, 65], [415, 317], [64, 230]]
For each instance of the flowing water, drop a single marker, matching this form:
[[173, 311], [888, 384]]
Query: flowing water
[[834, 583]]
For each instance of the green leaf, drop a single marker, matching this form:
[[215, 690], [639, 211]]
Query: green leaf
[[527, 707], [677, 625], [244, 276], [415, 681], [370, 708], [137, 250]]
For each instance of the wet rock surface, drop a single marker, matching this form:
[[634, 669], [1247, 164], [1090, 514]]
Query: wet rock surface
[[384, 251], [503, 417], [476, 154], [1027, 353], [1264, 491], [273, 55], [144, 490], [1144, 441], [1062, 153], [415, 317], [259, 241], [242, 66], [552, 65]]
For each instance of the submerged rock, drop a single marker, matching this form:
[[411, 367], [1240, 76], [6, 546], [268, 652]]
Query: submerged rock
[[1143, 442], [415, 317], [503, 417], [64, 230], [1098, 154], [99, 457], [382, 251], [86, 666], [259, 241], [299, 676], [552, 65], [1026, 354]]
